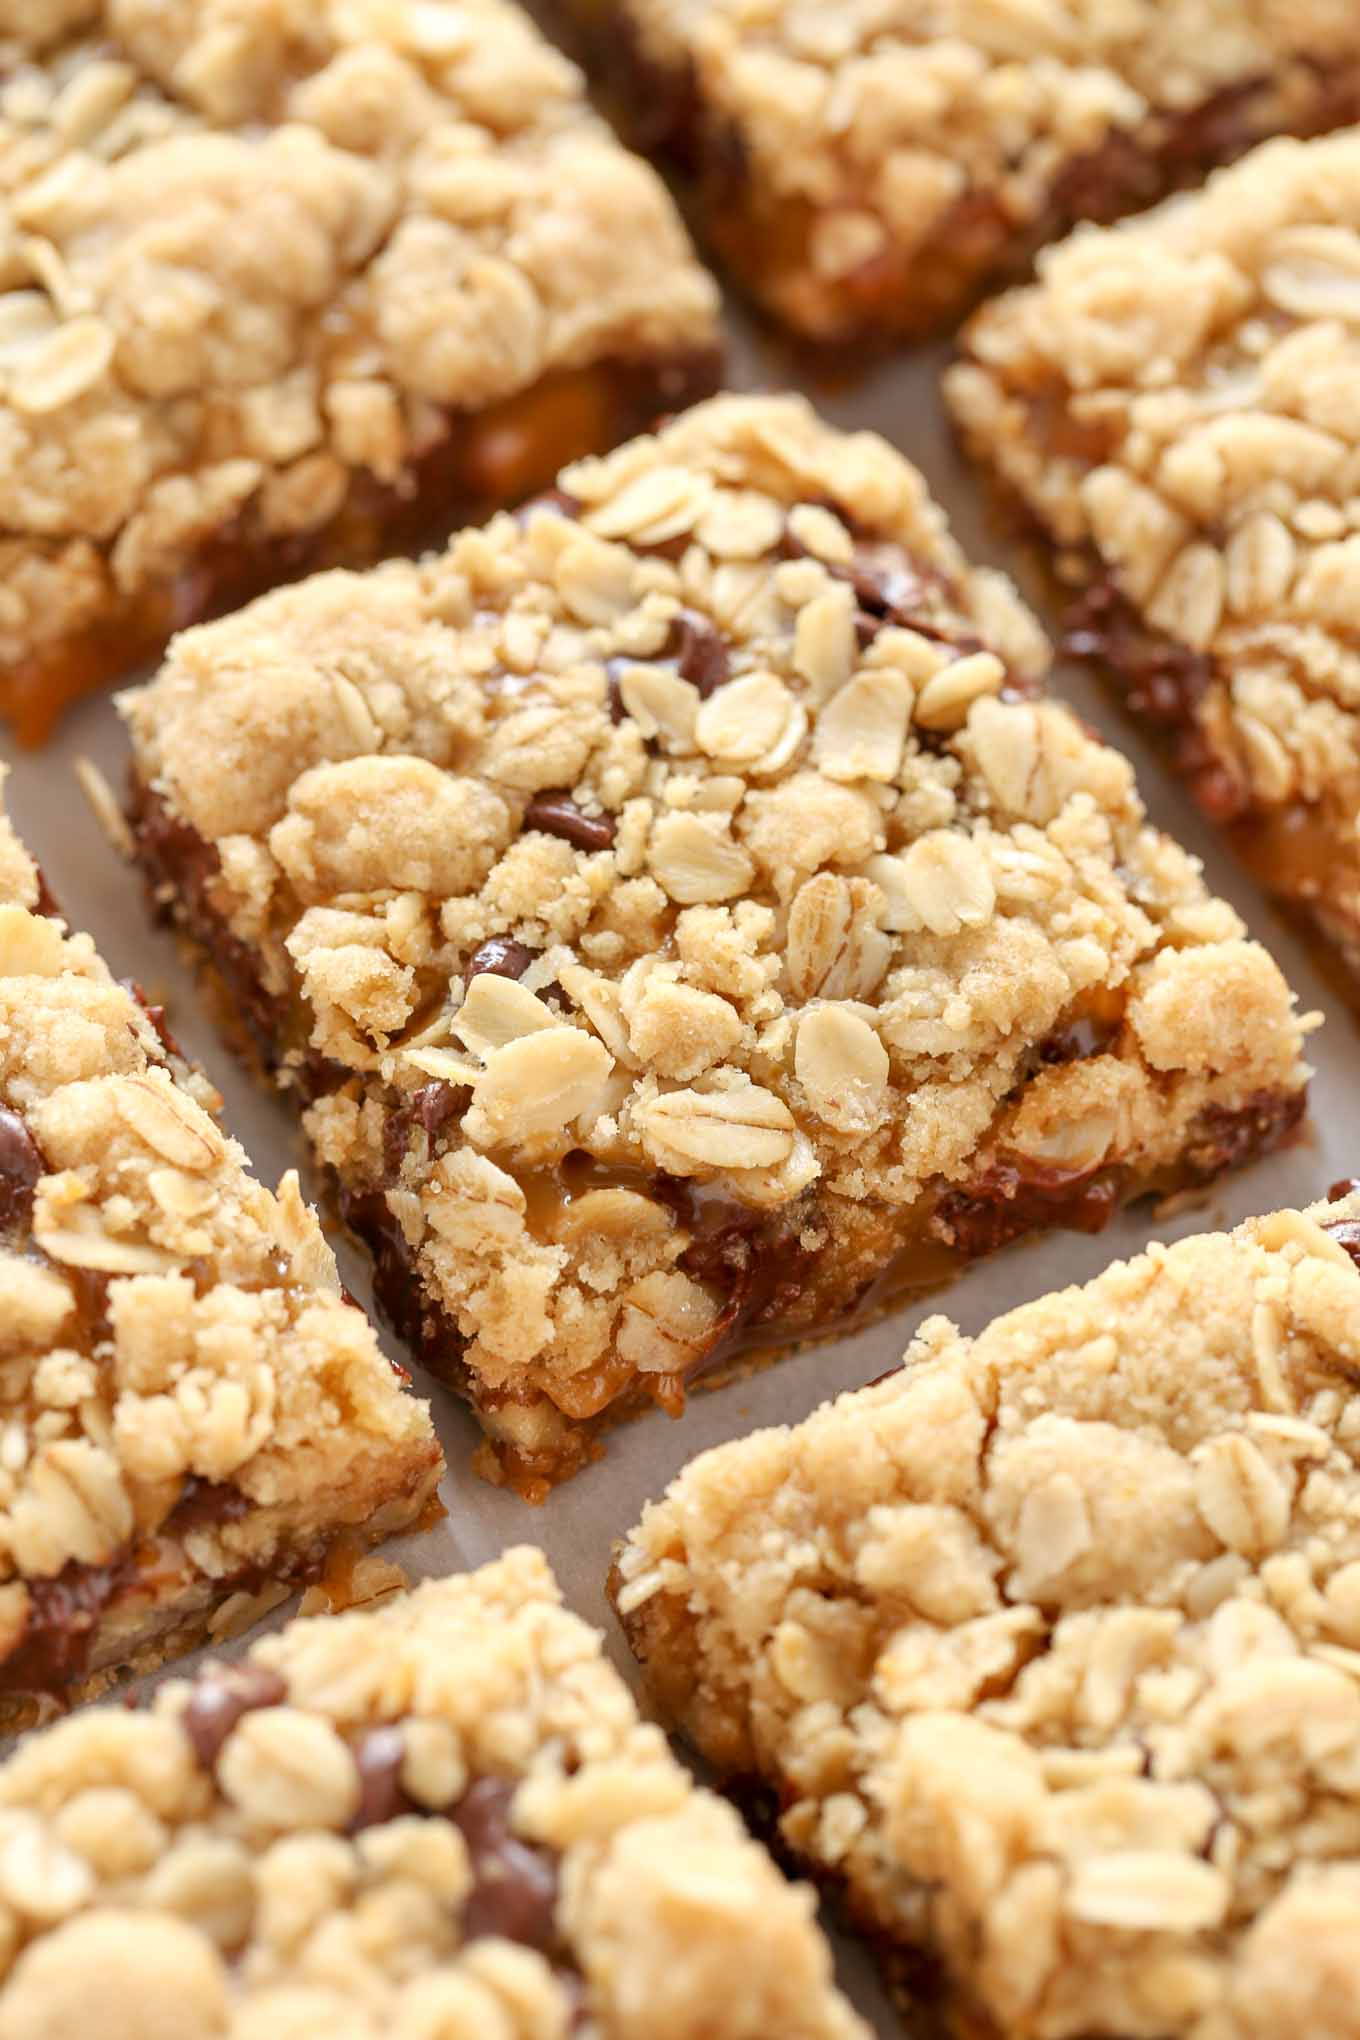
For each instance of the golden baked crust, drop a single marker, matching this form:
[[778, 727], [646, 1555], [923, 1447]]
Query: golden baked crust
[[866, 166], [189, 1412], [1174, 402], [441, 1817], [261, 258], [1048, 1643], [669, 897]]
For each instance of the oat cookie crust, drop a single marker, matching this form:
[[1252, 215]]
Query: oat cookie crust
[[670, 896], [868, 164], [261, 259], [188, 1410], [441, 1817], [1049, 1642], [1174, 401]]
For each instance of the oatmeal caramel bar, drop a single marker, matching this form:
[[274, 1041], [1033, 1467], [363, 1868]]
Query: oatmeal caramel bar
[[867, 167], [1046, 1648], [190, 1414], [1175, 404], [440, 1818], [686, 923], [282, 283]]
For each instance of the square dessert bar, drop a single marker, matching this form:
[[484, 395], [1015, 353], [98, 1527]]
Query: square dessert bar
[[438, 1818], [685, 923], [190, 1414], [1174, 404], [282, 284], [867, 167], [1046, 1648]]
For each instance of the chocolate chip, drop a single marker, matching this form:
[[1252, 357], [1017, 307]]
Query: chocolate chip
[[558, 815], [514, 1893], [557, 501], [221, 1698], [436, 1104], [700, 653], [203, 1504], [431, 1108], [1345, 1187], [891, 592], [59, 1629], [378, 1758], [1346, 1233], [888, 586], [21, 1164], [1085, 1036], [90, 1287], [502, 956]]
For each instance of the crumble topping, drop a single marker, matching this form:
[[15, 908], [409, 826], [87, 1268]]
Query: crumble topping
[[1174, 400], [443, 1817], [885, 118], [1050, 1640], [178, 1372], [699, 822], [250, 255]]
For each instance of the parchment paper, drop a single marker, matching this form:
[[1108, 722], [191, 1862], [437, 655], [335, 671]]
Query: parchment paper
[[577, 1526]]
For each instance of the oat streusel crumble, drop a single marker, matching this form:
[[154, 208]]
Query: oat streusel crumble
[[866, 167], [1048, 1644], [278, 281], [1175, 402], [189, 1412], [685, 922], [439, 1820]]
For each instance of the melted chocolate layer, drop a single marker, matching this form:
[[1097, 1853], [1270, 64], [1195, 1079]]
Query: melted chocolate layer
[[63, 1615], [772, 1288], [1163, 682]]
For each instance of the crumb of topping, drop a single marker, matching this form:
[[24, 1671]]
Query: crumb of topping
[[1048, 1641]]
